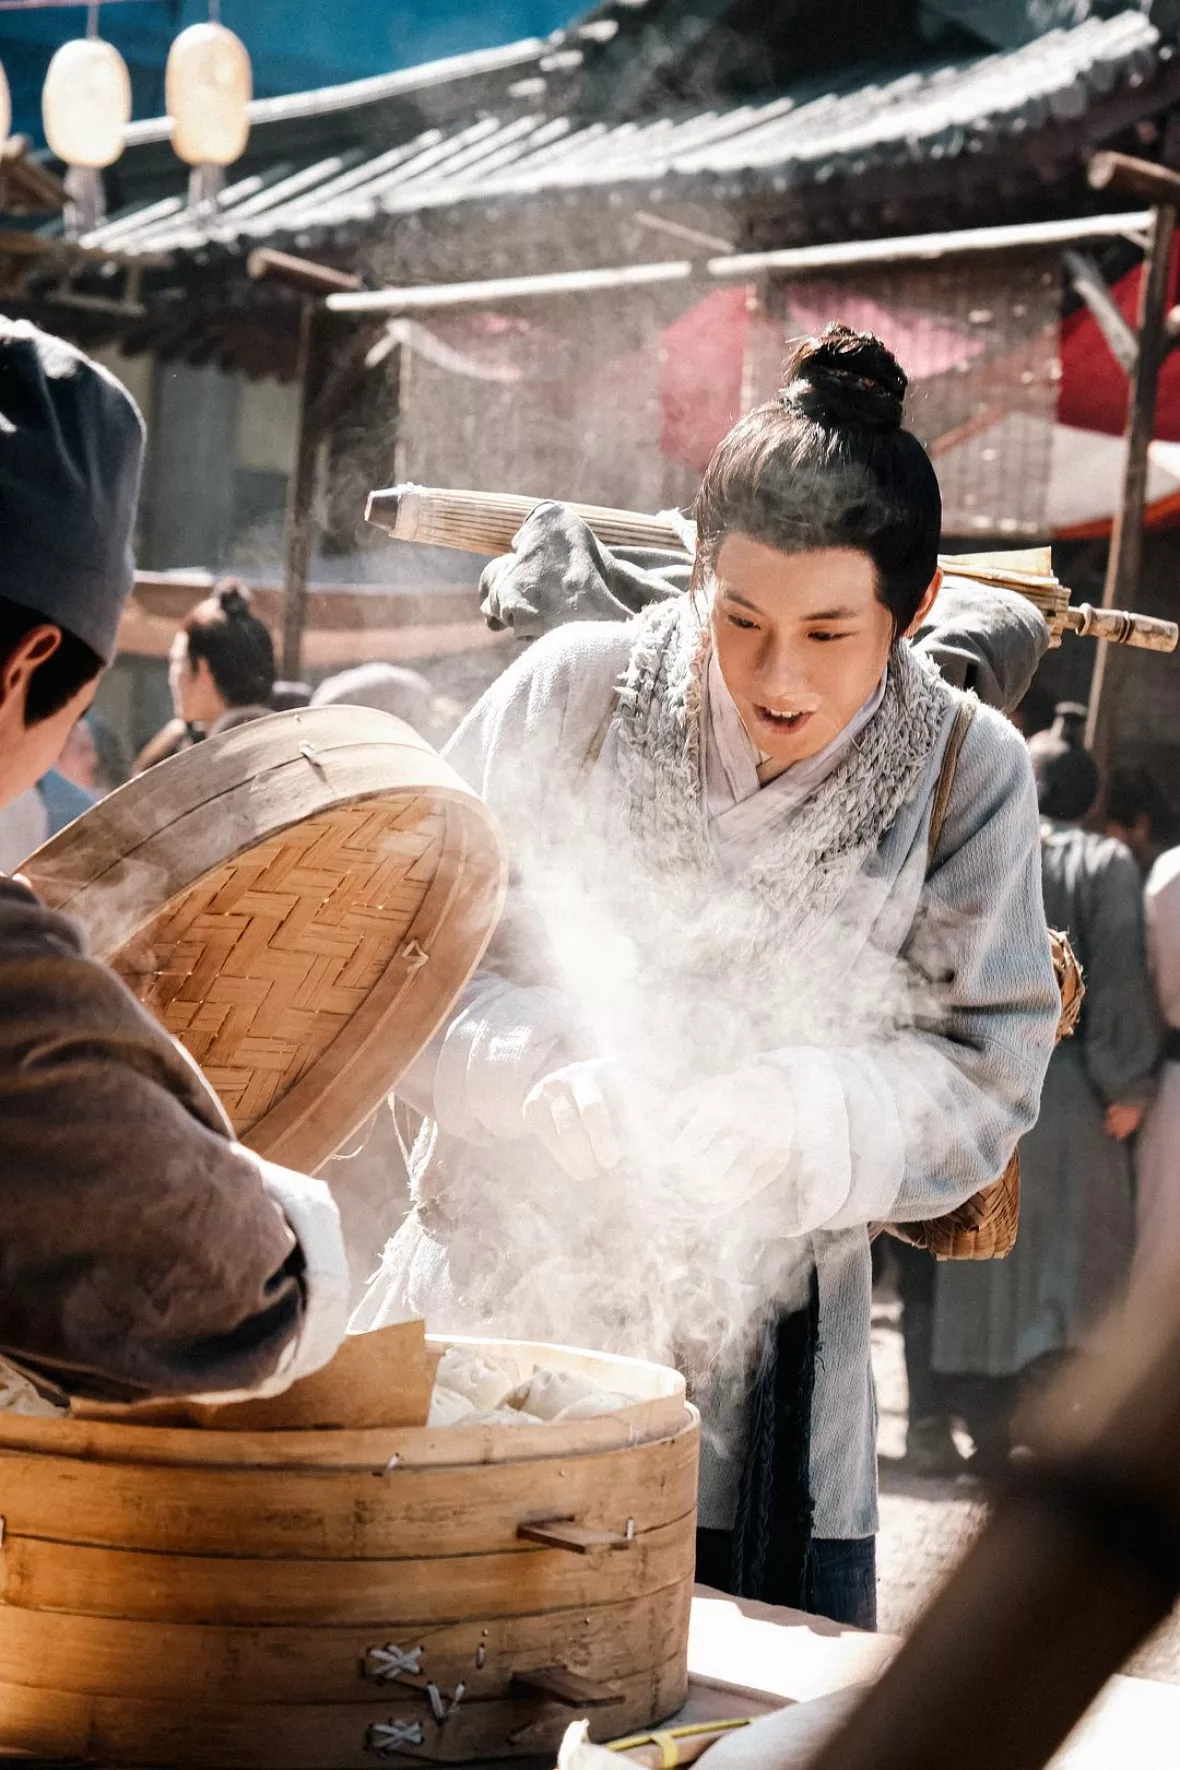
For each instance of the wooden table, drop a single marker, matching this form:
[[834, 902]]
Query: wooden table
[[747, 1659]]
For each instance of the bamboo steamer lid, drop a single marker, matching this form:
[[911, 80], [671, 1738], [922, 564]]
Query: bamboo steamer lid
[[299, 901]]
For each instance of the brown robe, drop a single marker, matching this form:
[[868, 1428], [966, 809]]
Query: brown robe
[[140, 1251]]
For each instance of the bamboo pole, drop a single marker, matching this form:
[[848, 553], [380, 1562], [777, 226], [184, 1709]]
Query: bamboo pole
[[1125, 559], [302, 491]]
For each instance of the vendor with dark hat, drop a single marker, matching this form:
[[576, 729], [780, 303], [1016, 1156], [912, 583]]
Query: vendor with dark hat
[[143, 1252]]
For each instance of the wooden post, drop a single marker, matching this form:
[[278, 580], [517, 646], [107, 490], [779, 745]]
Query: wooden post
[[299, 502], [1126, 543]]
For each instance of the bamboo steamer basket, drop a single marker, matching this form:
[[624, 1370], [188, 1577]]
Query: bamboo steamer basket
[[316, 1600], [298, 901]]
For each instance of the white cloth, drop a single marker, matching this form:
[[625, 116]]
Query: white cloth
[[743, 811], [311, 1212], [1162, 913], [1157, 1152]]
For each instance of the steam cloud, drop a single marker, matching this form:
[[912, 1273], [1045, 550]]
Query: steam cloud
[[675, 978]]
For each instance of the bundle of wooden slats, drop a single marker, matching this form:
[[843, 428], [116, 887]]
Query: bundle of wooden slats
[[486, 522]]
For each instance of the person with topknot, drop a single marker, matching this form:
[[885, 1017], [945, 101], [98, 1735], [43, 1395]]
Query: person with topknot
[[221, 673], [775, 967]]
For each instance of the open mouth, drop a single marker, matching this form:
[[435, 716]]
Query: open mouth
[[787, 723]]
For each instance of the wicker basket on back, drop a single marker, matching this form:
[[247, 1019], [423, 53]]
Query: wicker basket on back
[[984, 1228]]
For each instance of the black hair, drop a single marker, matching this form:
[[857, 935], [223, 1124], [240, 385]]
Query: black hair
[[1066, 775], [236, 645], [63, 675], [828, 464], [1132, 793]]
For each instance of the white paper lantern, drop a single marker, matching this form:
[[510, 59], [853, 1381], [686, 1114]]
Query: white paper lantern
[[207, 88], [86, 103], [5, 106]]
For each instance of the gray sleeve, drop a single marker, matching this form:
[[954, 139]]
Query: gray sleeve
[[909, 1121], [522, 748], [968, 1077], [988, 641], [144, 1253], [1120, 1027]]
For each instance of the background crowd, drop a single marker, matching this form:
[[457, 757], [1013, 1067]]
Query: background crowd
[[1100, 1173]]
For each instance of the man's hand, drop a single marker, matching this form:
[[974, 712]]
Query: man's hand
[[731, 1136], [573, 1114], [1123, 1120]]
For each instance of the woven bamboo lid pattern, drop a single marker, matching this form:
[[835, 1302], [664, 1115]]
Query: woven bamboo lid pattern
[[298, 901]]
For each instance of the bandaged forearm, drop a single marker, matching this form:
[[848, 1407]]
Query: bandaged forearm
[[834, 1137], [503, 1040], [311, 1213]]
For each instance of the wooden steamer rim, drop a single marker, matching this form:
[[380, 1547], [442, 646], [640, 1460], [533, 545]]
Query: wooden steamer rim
[[298, 901], [658, 1411]]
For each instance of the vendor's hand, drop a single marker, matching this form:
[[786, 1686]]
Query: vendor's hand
[[573, 1114], [1122, 1120], [731, 1136]]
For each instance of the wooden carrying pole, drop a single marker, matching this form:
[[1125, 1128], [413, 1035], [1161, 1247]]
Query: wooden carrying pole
[[486, 522], [1124, 563]]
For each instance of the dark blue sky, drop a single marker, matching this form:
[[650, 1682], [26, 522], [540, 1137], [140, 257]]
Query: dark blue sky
[[293, 45]]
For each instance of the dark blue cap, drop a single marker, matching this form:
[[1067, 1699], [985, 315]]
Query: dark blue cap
[[71, 451]]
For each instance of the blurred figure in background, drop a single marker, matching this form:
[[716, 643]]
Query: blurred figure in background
[[91, 765], [24, 825], [999, 1325], [286, 697], [1158, 1154], [1137, 814], [79, 761], [1069, 723], [64, 799], [72, 786], [387, 687], [222, 661]]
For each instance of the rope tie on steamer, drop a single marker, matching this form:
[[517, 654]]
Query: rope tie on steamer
[[415, 955], [387, 1737], [440, 1708], [390, 1661]]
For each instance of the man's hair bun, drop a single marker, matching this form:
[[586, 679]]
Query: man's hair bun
[[233, 598], [844, 377]]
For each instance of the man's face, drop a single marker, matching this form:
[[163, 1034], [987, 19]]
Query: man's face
[[27, 751]]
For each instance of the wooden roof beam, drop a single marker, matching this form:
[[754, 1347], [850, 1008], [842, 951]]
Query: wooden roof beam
[[1128, 177], [741, 266], [301, 274]]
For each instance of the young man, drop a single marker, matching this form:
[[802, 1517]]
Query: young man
[[142, 1251]]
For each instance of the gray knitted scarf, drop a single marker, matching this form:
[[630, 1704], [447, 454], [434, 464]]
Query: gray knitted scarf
[[796, 884]]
